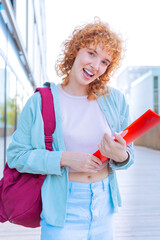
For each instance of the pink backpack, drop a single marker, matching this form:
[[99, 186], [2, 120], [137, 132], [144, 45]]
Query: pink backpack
[[20, 193]]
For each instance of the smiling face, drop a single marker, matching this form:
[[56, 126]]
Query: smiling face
[[89, 64]]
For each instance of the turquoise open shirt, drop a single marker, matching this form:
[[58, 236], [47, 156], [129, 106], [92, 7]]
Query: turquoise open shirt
[[27, 151]]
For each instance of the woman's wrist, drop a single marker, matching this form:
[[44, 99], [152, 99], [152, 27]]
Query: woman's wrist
[[64, 159], [123, 161], [67, 157]]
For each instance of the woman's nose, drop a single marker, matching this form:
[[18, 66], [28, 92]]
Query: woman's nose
[[96, 65]]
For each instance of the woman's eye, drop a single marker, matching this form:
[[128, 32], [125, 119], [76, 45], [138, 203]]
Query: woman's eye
[[91, 53], [105, 63]]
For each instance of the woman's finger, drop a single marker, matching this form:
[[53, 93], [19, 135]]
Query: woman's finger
[[119, 138], [96, 160], [107, 137]]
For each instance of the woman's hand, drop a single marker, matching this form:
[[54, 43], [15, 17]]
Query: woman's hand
[[113, 149], [81, 162]]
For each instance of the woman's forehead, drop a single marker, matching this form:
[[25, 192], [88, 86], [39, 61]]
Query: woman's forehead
[[100, 49]]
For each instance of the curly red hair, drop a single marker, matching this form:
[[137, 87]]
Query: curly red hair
[[96, 33]]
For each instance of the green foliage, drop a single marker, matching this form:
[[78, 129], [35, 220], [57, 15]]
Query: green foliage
[[11, 110], [2, 113]]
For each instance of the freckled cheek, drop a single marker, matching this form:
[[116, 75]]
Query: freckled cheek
[[84, 59]]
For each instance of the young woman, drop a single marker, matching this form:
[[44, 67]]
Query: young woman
[[79, 194]]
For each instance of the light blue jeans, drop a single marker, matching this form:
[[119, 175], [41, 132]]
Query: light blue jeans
[[89, 214]]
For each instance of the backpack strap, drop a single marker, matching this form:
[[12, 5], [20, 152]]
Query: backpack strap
[[48, 115]]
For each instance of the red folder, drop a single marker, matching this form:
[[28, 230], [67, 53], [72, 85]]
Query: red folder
[[139, 127]]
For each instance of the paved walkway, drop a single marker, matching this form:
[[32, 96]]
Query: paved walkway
[[139, 218]]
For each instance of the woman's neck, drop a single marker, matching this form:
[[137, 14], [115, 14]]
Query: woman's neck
[[75, 90]]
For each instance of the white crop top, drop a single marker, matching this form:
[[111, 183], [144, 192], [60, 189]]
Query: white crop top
[[83, 123]]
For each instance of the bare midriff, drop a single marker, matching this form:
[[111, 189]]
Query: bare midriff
[[89, 177]]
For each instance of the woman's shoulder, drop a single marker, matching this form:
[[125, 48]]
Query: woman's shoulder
[[112, 91], [31, 108], [33, 100], [116, 97]]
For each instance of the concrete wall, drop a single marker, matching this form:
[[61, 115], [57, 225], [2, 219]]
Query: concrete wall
[[141, 96], [150, 139]]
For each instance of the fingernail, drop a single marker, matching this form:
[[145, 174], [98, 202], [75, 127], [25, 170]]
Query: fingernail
[[124, 133]]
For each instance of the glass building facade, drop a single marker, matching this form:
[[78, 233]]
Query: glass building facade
[[22, 61]]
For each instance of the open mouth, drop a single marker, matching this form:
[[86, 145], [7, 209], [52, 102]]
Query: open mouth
[[87, 73]]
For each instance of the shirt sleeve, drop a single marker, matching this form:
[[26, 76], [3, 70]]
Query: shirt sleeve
[[124, 121], [26, 151]]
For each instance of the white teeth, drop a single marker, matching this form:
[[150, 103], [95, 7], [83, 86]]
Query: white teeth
[[88, 72]]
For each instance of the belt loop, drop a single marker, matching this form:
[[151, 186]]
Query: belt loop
[[103, 184]]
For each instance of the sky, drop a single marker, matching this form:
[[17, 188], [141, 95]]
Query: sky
[[138, 21]]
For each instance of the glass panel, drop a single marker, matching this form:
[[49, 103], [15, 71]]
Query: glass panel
[[16, 64], [155, 82], [20, 98], [3, 34], [11, 105], [156, 109], [2, 113], [155, 97]]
